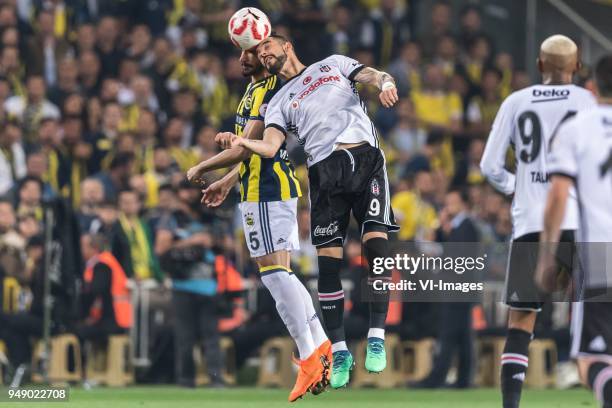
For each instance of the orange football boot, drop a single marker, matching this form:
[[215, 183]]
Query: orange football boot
[[325, 353], [309, 375]]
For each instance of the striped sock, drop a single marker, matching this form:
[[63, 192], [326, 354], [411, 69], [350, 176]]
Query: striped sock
[[600, 380], [514, 362]]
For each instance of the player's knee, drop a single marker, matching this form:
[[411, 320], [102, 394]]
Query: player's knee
[[522, 320], [374, 230], [276, 258], [331, 249]]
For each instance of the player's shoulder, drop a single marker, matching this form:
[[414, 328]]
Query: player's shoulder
[[337, 59], [587, 117]]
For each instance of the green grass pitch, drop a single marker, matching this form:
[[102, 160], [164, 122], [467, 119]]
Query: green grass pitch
[[164, 397]]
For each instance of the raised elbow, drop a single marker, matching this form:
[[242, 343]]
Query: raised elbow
[[268, 154], [486, 168]]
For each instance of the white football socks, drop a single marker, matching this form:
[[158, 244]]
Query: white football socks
[[316, 328], [284, 291], [375, 332], [339, 346]]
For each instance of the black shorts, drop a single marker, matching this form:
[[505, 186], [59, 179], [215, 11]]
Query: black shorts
[[591, 329], [521, 292], [349, 179]]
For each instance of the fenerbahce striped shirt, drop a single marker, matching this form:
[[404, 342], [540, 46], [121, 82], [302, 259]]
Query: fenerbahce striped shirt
[[264, 179]]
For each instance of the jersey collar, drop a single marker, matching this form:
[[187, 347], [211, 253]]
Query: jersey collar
[[297, 75]]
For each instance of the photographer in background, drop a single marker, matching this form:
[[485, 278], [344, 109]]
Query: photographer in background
[[184, 247]]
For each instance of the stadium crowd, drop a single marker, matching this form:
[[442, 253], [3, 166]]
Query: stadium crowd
[[106, 105]]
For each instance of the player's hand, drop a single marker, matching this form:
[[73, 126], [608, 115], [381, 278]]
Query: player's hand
[[224, 139], [236, 141], [195, 174], [388, 96], [215, 194], [546, 271]]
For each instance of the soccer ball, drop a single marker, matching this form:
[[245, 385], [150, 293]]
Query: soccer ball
[[248, 27]]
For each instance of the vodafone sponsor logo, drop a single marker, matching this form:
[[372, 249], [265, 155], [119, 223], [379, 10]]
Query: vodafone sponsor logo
[[320, 81]]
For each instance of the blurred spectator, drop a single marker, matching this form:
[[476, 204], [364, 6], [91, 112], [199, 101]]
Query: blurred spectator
[[132, 241], [184, 106], [470, 26], [67, 81], [45, 49], [92, 196], [184, 247], [29, 198], [117, 177], [173, 138], [439, 110], [468, 167], [407, 69], [446, 55], [406, 137], [105, 300], [107, 47], [11, 69], [385, 29], [36, 167], [12, 244], [106, 217], [341, 32], [456, 335], [484, 106], [439, 25], [477, 58], [75, 153], [90, 72], [414, 210], [29, 109], [12, 157]]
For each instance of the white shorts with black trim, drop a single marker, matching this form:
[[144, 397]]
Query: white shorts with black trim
[[270, 226]]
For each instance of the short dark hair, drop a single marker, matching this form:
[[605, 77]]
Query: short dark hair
[[121, 160], [463, 194], [603, 76], [279, 37]]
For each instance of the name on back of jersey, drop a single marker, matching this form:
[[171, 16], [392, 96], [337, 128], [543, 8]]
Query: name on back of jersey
[[540, 177]]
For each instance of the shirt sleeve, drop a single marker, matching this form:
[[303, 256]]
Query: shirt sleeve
[[563, 158], [275, 117], [494, 156], [349, 67]]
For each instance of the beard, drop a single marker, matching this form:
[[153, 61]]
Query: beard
[[277, 64], [250, 70]]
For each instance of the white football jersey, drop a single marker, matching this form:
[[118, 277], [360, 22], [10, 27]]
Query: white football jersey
[[582, 150], [321, 108], [527, 119]]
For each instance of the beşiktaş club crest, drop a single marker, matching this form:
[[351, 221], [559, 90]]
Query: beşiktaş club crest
[[249, 219], [375, 187], [324, 68]]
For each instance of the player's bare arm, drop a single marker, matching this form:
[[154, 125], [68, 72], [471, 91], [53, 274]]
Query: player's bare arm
[[229, 157], [214, 195], [381, 80], [272, 141], [549, 238]]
